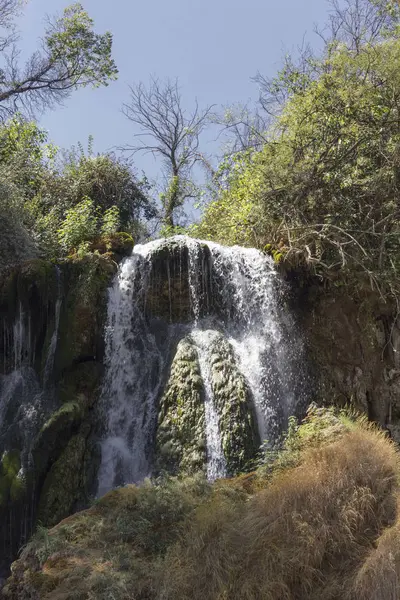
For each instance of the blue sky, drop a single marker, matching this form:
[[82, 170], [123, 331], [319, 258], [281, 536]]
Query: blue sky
[[214, 47]]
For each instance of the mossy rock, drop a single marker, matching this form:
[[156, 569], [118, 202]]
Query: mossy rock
[[82, 382], [235, 407], [12, 482], [62, 486], [181, 444], [29, 290], [83, 315], [56, 432]]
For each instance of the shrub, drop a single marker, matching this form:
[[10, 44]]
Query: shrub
[[80, 225]]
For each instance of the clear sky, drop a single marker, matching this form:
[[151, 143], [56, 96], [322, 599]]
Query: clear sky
[[214, 47]]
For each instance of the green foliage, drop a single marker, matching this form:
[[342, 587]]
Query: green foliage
[[12, 480], [111, 221], [72, 55], [84, 55], [80, 225], [320, 426], [324, 189], [52, 202]]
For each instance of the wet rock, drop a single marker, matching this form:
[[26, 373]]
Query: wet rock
[[169, 294], [233, 401], [181, 444]]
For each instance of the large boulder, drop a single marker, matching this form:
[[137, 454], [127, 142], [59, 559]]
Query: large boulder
[[181, 444]]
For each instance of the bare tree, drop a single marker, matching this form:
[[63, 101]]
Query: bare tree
[[357, 22], [242, 128], [71, 55], [352, 23], [169, 132]]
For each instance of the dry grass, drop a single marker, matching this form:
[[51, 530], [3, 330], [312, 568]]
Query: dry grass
[[320, 525], [303, 537], [379, 576]]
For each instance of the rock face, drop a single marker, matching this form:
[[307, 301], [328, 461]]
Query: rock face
[[354, 350], [181, 432], [51, 347], [52, 369], [169, 294], [181, 443], [232, 397]]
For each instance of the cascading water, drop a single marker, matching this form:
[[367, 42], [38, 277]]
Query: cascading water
[[133, 363], [259, 329], [234, 291], [26, 399], [216, 463]]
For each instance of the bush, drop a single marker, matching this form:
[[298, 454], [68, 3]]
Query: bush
[[80, 225], [304, 536], [324, 189]]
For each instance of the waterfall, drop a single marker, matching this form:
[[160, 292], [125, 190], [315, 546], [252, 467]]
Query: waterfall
[[26, 398], [216, 463], [259, 329], [232, 290], [133, 363], [48, 369]]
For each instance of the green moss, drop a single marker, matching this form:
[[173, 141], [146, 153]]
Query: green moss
[[82, 319], [240, 439], [62, 485], [181, 423], [69, 413], [56, 432], [12, 485]]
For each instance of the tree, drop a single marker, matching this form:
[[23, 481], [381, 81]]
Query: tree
[[81, 190], [169, 132], [351, 24], [325, 189], [71, 55]]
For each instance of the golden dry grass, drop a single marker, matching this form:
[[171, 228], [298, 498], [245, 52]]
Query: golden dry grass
[[303, 537], [320, 526]]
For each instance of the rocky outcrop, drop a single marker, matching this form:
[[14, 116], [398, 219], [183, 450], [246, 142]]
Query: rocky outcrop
[[169, 296], [180, 442], [51, 345], [354, 350], [232, 398]]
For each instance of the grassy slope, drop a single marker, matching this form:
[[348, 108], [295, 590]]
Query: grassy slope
[[318, 523]]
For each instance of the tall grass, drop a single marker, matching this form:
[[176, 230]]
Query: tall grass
[[321, 523], [303, 537]]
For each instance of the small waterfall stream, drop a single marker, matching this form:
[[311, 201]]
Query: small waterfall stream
[[26, 398], [216, 463], [235, 291]]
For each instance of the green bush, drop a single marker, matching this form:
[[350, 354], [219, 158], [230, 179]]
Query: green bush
[[80, 225]]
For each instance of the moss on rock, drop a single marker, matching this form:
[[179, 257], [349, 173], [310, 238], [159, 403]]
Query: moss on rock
[[12, 483], [234, 404], [86, 282], [62, 487], [181, 422]]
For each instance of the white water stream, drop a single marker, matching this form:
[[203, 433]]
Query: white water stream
[[247, 308], [25, 402]]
